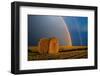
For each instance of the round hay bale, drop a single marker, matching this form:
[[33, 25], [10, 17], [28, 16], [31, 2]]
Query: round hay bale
[[53, 46], [43, 46]]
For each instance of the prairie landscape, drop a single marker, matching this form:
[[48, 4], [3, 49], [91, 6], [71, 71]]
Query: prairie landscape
[[65, 52], [52, 37]]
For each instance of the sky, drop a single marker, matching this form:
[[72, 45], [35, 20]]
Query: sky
[[78, 28], [40, 26]]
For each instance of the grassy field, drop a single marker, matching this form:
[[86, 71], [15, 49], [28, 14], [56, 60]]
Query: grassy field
[[65, 52]]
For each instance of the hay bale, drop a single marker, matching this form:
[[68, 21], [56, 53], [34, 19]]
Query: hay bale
[[53, 46], [43, 46]]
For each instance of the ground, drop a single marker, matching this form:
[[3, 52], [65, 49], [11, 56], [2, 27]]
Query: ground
[[65, 52]]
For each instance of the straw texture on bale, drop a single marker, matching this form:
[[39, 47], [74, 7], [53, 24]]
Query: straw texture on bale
[[43, 46], [48, 46], [53, 46]]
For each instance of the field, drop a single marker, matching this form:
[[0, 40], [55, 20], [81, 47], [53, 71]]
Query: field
[[65, 52]]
